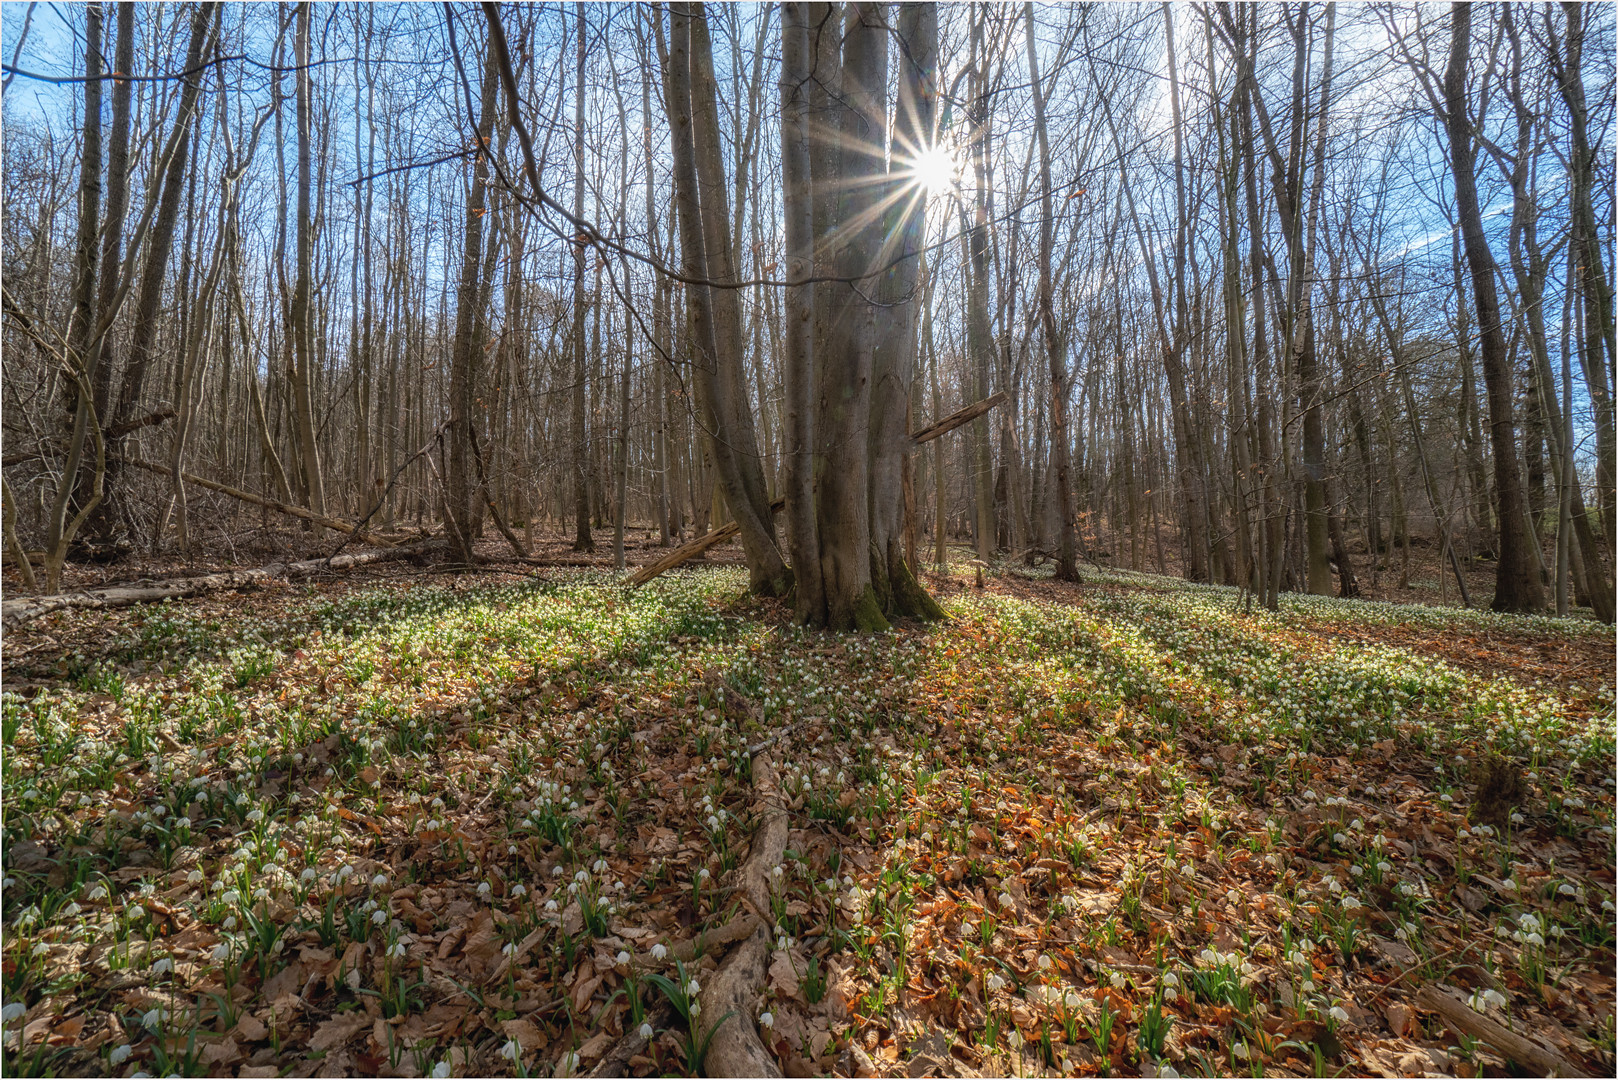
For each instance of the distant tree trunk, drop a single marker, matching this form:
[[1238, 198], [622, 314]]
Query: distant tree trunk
[[461, 483], [1517, 584], [160, 219], [61, 523], [582, 540], [1067, 556], [301, 376], [979, 335]]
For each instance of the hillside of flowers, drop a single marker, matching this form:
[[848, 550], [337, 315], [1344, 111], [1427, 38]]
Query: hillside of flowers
[[495, 825]]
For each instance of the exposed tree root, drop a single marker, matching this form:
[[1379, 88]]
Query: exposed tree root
[[615, 1062], [730, 997]]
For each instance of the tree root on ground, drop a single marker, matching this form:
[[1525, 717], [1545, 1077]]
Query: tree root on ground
[[730, 997]]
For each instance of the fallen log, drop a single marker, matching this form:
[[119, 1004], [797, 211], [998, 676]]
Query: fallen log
[[1538, 1057], [14, 613], [258, 500], [691, 549], [958, 418]]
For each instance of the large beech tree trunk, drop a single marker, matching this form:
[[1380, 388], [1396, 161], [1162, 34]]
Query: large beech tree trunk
[[893, 362]]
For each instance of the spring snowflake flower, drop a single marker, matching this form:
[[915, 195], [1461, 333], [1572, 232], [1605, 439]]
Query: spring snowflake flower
[[511, 1051], [766, 1019], [441, 1071]]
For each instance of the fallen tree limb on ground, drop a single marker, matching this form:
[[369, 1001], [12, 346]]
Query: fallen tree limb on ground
[[14, 613], [690, 550], [257, 500], [1524, 1051]]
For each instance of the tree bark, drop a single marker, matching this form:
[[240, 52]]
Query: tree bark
[[1517, 583]]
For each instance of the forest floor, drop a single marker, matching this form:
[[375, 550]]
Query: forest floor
[[401, 823]]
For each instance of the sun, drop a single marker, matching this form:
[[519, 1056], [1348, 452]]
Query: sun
[[935, 169]]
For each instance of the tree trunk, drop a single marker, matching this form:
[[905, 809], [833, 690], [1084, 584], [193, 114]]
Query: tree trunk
[[715, 401], [798, 361], [1517, 584], [582, 540], [461, 483], [893, 358], [302, 329]]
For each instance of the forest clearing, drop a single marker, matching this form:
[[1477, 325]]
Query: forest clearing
[[808, 539]]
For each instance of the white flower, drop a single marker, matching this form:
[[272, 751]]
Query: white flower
[[120, 1054], [1339, 1014], [766, 1020], [659, 951], [511, 1051], [12, 1011], [646, 1031], [1006, 900], [379, 916], [162, 965], [693, 988], [380, 881], [622, 957], [696, 1008], [441, 1071], [221, 951], [995, 983], [519, 889], [484, 890]]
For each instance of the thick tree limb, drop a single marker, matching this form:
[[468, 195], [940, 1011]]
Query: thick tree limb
[[14, 613], [958, 418]]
